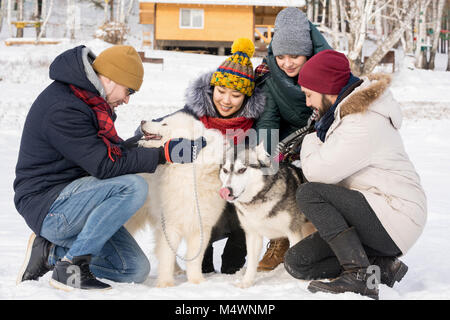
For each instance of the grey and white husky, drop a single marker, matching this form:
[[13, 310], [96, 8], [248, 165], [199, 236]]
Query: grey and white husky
[[265, 203]]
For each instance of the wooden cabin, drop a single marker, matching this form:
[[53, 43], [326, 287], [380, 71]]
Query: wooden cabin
[[209, 24]]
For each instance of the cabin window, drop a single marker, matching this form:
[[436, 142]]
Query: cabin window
[[191, 18]]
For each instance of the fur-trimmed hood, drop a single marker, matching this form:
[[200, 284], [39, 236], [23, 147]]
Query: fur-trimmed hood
[[373, 93], [198, 99]]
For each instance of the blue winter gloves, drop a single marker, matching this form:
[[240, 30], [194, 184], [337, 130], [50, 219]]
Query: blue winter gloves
[[183, 150], [178, 150]]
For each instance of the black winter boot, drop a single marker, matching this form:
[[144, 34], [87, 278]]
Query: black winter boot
[[76, 274], [36, 259], [234, 252], [207, 263], [353, 259], [392, 270]]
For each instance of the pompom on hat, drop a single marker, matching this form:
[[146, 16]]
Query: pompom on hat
[[236, 72]]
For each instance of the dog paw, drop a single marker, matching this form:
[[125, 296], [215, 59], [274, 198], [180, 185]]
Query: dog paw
[[197, 280], [244, 284], [165, 283]]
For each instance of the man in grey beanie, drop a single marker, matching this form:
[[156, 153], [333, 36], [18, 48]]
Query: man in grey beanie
[[295, 41]]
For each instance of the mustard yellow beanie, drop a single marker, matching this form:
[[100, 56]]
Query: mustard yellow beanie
[[236, 72], [121, 64]]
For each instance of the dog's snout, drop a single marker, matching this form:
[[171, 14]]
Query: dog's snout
[[226, 193]]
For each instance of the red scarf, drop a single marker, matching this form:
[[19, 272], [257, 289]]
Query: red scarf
[[238, 126], [103, 111]]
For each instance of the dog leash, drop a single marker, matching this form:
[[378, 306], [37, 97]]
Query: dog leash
[[289, 147], [163, 219]]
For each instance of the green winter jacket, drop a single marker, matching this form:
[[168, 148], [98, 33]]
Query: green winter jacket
[[285, 107]]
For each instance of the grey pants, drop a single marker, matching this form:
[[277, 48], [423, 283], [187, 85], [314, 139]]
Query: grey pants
[[333, 209]]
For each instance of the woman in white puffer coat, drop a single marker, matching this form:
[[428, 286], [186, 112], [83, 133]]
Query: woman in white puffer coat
[[364, 195]]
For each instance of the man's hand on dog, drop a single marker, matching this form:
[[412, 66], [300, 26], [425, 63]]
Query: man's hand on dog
[[182, 150]]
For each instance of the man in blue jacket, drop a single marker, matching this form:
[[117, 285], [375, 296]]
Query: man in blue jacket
[[75, 180]]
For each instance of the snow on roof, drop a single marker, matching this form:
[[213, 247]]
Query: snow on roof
[[276, 3]]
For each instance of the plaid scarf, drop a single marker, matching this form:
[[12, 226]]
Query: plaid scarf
[[262, 72], [103, 112]]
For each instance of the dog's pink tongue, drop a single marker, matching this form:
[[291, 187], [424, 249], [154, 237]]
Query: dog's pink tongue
[[224, 193]]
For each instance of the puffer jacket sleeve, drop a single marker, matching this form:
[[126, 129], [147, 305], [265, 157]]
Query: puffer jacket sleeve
[[345, 151], [72, 133]]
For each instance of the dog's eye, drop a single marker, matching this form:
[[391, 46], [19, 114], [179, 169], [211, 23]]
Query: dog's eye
[[224, 170], [164, 124], [242, 170]]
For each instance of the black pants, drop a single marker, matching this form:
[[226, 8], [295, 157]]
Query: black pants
[[235, 250], [333, 209]]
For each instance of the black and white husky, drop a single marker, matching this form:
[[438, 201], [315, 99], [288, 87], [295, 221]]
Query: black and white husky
[[265, 203]]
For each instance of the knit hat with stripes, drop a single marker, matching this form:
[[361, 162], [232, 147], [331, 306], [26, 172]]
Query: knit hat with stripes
[[236, 72]]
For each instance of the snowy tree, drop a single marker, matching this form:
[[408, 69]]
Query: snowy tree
[[19, 18], [106, 18], [421, 22], [71, 19], [123, 11], [48, 11], [310, 10], [2, 12], [393, 37], [360, 12], [388, 22], [437, 19], [115, 30], [335, 23], [407, 38]]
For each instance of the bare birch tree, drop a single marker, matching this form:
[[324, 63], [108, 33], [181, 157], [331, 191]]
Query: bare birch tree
[[421, 20], [335, 24], [44, 25], [378, 22], [19, 33], [71, 19], [393, 37], [408, 36], [310, 10], [106, 8], [2, 12], [130, 9], [437, 19], [316, 10], [8, 16], [360, 12]]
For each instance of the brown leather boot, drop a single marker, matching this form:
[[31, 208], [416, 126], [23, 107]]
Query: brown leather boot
[[276, 249]]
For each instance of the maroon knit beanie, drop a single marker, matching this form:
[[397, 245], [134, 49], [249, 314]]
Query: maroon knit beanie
[[327, 72]]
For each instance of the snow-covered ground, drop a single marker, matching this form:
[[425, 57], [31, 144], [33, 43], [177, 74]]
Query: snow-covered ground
[[424, 96]]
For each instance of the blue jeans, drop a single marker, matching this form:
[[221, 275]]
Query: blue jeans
[[87, 219]]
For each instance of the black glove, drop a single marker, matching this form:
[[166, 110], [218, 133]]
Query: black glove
[[181, 150]]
